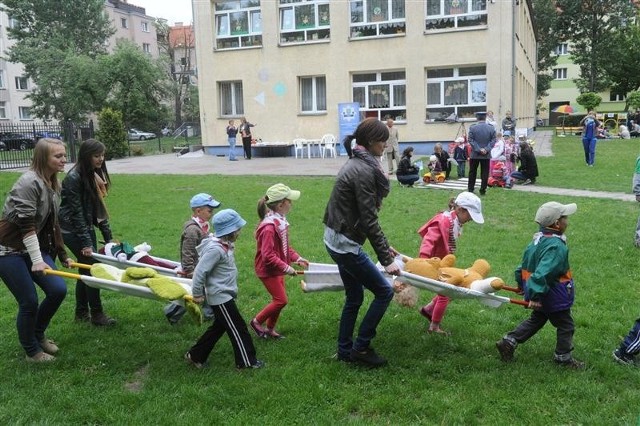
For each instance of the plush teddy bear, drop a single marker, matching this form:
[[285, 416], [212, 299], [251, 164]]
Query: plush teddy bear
[[407, 295], [474, 277]]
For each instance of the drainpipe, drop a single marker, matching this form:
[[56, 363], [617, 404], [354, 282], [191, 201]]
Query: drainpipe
[[513, 58]]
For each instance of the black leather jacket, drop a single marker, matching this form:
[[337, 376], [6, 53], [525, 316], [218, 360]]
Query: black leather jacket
[[77, 210], [352, 211]]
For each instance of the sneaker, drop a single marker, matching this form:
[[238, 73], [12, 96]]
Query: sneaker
[[527, 182], [49, 346], [270, 332], [198, 365], [257, 364], [40, 357], [342, 358], [82, 316], [102, 320], [506, 350], [571, 363], [622, 358], [260, 332], [368, 357]]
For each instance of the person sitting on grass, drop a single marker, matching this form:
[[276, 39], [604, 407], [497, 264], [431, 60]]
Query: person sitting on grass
[[528, 170], [407, 174]]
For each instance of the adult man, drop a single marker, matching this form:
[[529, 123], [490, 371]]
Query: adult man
[[392, 151], [508, 124], [482, 137]]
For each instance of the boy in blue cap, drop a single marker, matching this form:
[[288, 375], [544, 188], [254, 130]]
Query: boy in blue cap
[[193, 232]]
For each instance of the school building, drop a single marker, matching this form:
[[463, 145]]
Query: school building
[[287, 65]]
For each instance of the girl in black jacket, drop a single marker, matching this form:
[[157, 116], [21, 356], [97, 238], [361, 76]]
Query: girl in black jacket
[[407, 174]]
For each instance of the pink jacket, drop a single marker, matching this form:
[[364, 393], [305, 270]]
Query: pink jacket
[[435, 236], [274, 254]]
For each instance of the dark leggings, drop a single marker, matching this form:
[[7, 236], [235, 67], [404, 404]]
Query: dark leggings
[[246, 146], [86, 297]]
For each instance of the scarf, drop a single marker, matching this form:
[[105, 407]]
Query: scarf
[[381, 179], [203, 224], [282, 228], [101, 209], [455, 230]]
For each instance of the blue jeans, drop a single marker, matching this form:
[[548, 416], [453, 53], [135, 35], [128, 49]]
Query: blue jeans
[[589, 146], [32, 320], [359, 272], [232, 148]]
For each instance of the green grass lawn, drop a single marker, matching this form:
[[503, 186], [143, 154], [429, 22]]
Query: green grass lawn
[[133, 373]]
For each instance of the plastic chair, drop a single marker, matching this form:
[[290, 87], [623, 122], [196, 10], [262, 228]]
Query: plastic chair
[[328, 143], [298, 145]]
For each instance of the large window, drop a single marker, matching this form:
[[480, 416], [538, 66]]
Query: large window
[[231, 104], [313, 94], [373, 18], [460, 91], [238, 24], [302, 21], [442, 14], [381, 94], [559, 73]]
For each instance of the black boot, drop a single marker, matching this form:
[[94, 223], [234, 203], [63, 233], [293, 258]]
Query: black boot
[[82, 315], [101, 319]]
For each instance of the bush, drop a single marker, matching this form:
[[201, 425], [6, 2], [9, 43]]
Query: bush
[[112, 133]]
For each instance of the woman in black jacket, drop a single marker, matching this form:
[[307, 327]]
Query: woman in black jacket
[[528, 170], [351, 218], [407, 174], [82, 209]]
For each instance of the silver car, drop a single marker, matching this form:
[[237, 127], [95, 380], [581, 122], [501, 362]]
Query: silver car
[[138, 135]]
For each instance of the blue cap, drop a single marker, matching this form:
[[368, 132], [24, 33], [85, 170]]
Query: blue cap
[[226, 222], [202, 199]]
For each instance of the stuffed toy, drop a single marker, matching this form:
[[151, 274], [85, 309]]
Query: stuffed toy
[[124, 251], [474, 277], [407, 295]]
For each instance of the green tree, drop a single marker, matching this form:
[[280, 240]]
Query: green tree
[[546, 18], [623, 71], [137, 86], [590, 25], [633, 99], [589, 100], [111, 133], [56, 41], [192, 105]]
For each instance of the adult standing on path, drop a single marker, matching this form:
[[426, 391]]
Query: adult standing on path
[[393, 150], [351, 218], [482, 137], [232, 132], [245, 132]]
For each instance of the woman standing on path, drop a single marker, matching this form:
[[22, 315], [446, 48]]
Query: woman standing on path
[[245, 132]]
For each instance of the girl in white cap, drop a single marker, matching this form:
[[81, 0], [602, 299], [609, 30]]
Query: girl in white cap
[[274, 255], [440, 238]]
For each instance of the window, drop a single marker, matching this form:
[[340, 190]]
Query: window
[[22, 83], [3, 110], [145, 27], [2, 80], [313, 94], [146, 48], [616, 97], [442, 14], [561, 49], [230, 98], [123, 23], [25, 113], [373, 18], [238, 23], [14, 23], [559, 73], [302, 21], [460, 91], [381, 94]]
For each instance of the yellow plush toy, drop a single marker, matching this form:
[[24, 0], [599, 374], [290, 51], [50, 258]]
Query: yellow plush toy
[[474, 277], [407, 295]]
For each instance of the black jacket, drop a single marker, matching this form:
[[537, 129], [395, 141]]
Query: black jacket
[[528, 164], [352, 211], [405, 168], [78, 212]]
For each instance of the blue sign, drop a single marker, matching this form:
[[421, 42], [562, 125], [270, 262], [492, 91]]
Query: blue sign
[[348, 120]]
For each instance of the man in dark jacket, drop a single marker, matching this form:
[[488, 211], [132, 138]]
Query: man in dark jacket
[[482, 137]]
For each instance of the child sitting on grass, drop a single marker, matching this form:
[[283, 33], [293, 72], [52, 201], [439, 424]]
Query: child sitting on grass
[[215, 280], [548, 285]]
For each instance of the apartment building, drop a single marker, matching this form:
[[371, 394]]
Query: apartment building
[[287, 65], [182, 43], [132, 23]]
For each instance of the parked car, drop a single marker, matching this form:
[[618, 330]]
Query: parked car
[[139, 135], [19, 141]]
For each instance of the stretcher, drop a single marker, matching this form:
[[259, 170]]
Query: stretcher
[[110, 260]]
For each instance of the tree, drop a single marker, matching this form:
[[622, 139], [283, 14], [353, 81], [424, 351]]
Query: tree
[[545, 17], [633, 99], [590, 26], [192, 105], [137, 85], [56, 41], [112, 133], [589, 100], [623, 71]]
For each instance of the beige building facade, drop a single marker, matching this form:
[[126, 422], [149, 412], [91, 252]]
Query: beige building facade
[[286, 65]]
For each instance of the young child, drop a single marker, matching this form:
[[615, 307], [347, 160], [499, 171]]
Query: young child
[[460, 155], [215, 280], [193, 232], [548, 285], [434, 174], [274, 255], [439, 238]]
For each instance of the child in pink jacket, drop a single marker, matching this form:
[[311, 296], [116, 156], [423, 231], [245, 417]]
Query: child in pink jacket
[[274, 255], [439, 238]]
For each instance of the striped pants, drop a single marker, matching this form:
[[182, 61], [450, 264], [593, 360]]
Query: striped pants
[[631, 344], [227, 320]]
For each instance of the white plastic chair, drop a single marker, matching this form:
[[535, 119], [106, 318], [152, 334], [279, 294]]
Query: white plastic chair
[[328, 143], [298, 145]]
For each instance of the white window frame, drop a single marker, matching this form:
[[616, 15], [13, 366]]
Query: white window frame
[[22, 83], [144, 25], [377, 18], [3, 110], [234, 91], [559, 73], [470, 82], [303, 21], [237, 24], [562, 49], [24, 113], [455, 14], [124, 23], [379, 101], [3, 80], [318, 92], [146, 48]]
